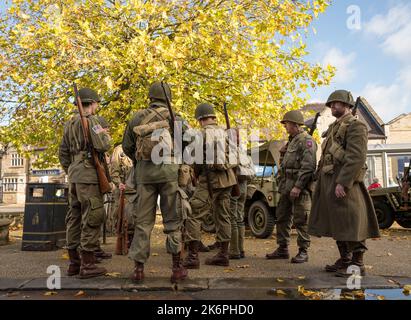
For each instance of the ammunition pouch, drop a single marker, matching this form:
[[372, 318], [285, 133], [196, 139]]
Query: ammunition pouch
[[82, 155], [96, 214], [184, 175], [337, 152]]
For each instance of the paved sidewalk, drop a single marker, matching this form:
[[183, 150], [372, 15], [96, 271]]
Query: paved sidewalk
[[387, 262]]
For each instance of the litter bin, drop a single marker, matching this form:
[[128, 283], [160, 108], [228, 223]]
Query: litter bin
[[45, 213]]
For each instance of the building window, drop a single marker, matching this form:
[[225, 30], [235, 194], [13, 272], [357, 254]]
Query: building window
[[10, 184], [16, 160]]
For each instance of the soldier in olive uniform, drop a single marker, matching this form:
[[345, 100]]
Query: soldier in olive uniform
[[153, 180], [296, 172], [245, 172], [342, 207], [86, 213], [221, 179], [120, 170]]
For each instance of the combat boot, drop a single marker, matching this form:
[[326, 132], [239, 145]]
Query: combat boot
[[179, 272], [88, 269], [301, 257], [357, 261], [343, 262], [214, 246], [280, 253], [138, 274], [192, 261], [99, 253], [221, 258], [203, 248], [75, 262]]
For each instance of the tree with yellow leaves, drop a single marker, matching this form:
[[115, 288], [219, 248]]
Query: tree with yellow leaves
[[251, 51]]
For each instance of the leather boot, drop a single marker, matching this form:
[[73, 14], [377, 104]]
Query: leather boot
[[203, 248], [357, 260], [221, 258], [214, 246], [280, 253], [192, 261], [75, 262], [99, 253], [138, 274], [179, 272], [233, 256], [343, 262], [301, 257], [88, 269], [97, 260]]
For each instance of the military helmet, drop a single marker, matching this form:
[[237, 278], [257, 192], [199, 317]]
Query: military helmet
[[88, 95], [156, 91], [293, 116], [204, 110], [341, 96]]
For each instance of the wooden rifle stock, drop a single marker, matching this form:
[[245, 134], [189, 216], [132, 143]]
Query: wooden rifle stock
[[103, 181], [121, 228]]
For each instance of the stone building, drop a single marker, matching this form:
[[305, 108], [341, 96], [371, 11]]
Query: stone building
[[16, 171]]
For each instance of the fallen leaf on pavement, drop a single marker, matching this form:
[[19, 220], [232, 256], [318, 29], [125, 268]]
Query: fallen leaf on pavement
[[407, 289], [155, 254], [359, 294], [280, 292], [113, 274], [245, 266], [393, 281], [12, 294], [50, 293], [280, 280], [301, 277], [389, 254], [65, 256], [229, 270], [80, 293], [368, 267]]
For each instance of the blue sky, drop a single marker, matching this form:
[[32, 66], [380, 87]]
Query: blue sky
[[372, 61]]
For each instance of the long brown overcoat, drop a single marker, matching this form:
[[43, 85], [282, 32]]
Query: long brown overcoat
[[353, 217]]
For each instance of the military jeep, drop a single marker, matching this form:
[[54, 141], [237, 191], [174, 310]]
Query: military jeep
[[262, 192], [389, 207]]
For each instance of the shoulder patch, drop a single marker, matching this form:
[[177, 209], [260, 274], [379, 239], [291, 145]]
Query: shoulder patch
[[309, 144], [97, 129]]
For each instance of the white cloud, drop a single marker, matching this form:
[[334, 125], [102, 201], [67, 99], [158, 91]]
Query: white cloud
[[394, 33], [394, 29], [393, 21], [342, 62], [388, 101]]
